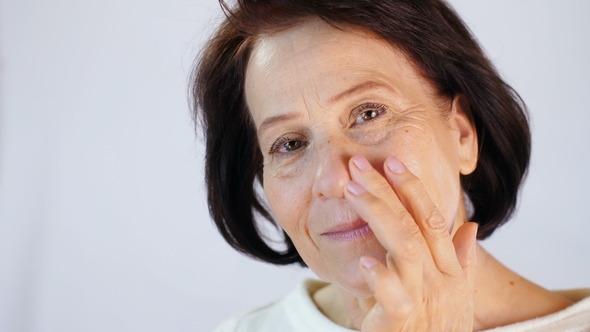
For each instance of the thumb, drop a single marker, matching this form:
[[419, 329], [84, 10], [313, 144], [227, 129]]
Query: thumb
[[465, 242]]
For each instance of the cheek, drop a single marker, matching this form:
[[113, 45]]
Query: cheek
[[287, 200], [432, 158], [291, 201]]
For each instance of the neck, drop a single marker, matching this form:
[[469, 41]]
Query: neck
[[501, 297]]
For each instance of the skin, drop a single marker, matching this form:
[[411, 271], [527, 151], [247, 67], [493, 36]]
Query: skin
[[350, 131]]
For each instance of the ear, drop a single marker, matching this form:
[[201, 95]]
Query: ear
[[467, 148]]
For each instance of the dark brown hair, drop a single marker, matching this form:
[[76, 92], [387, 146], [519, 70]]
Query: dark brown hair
[[433, 37]]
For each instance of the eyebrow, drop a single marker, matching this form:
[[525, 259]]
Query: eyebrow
[[270, 121], [359, 88]]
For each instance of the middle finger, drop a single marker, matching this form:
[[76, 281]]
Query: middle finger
[[390, 221]]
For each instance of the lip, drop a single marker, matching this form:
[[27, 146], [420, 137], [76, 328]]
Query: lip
[[348, 232]]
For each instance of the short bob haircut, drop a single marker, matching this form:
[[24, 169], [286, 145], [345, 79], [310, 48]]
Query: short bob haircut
[[440, 47]]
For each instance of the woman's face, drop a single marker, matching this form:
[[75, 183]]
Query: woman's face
[[319, 96]]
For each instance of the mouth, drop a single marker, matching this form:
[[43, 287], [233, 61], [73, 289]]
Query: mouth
[[349, 232]]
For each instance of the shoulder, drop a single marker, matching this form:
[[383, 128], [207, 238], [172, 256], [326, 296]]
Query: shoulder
[[575, 295], [249, 321], [296, 312], [575, 318], [267, 318]]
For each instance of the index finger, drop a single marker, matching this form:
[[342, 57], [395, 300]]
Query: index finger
[[377, 204]]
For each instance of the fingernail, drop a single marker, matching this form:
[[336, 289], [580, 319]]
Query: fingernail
[[394, 165], [355, 188], [361, 162], [369, 262]]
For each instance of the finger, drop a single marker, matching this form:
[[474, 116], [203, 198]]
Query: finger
[[403, 246], [384, 202], [393, 226], [465, 243], [394, 304], [380, 207], [432, 223]]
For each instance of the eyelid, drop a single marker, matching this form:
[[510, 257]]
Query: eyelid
[[367, 106], [277, 144], [284, 139]]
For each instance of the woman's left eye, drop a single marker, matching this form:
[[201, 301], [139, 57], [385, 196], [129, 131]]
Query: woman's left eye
[[368, 113]]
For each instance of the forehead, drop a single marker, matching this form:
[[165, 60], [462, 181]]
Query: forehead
[[319, 60]]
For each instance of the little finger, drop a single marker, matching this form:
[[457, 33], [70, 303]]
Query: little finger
[[394, 305]]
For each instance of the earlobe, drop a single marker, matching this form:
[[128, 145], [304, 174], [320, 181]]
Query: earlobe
[[467, 140]]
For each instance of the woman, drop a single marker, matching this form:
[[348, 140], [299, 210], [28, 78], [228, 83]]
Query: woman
[[386, 145]]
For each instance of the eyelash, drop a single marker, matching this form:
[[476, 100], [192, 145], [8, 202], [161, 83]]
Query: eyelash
[[357, 112], [281, 142], [360, 110]]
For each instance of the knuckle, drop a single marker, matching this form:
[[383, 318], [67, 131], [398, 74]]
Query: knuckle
[[411, 187], [399, 308], [405, 308], [408, 221], [411, 251], [381, 188], [377, 207], [435, 220]]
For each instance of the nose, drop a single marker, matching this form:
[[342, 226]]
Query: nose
[[331, 174]]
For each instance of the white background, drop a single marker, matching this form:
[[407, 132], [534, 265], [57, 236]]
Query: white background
[[103, 223]]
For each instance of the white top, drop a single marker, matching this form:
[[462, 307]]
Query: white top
[[298, 313]]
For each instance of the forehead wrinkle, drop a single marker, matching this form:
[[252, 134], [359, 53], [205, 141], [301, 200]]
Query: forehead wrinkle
[[307, 103], [306, 91], [319, 99], [299, 64]]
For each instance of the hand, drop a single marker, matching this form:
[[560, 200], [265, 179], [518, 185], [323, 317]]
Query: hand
[[427, 283]]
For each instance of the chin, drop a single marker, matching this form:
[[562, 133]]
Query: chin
[[344, 269], [355, 286]]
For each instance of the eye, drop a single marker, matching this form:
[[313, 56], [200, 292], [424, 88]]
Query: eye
[[286, 144], [292, 145], [368, 115], [368, 112]]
